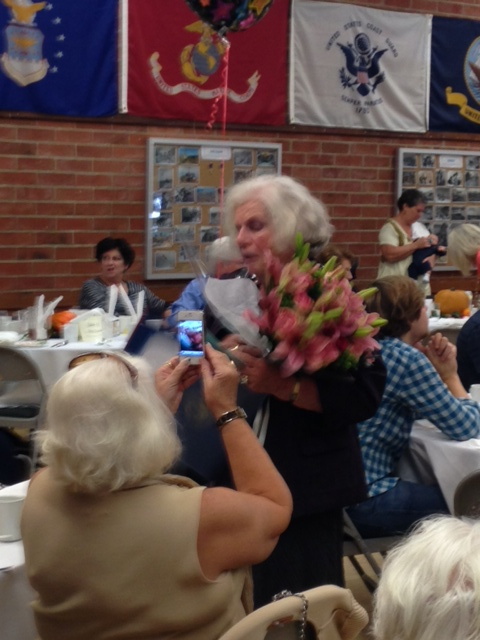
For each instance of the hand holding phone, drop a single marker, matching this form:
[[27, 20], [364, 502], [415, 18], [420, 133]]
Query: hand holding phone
[[190, 335]]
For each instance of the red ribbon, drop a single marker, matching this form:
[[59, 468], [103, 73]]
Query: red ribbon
[[213, 114]]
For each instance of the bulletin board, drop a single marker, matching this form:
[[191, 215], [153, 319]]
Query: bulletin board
[[184, 197], [450, 181]]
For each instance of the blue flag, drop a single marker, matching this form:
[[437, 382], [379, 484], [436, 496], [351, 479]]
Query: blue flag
[[59, 57], [455, 75]]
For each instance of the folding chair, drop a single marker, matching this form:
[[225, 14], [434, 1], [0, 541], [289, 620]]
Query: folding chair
[[466, 499], [22, 397], [354, 545], [327, 613]]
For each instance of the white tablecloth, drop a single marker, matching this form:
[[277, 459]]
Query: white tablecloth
[[16, 617], [434, 458], [450, 327], [53, 361]]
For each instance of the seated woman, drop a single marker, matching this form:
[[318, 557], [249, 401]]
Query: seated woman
[[115, 257], [223, 258], [419, 385], [117, 549], [345, 258], [430, 584]]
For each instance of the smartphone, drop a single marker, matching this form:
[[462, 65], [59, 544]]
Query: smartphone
[[190, 335]]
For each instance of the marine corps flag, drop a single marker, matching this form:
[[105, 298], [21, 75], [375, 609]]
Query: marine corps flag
[[358, 67], [175, 65], [59, 57], [455, 75]]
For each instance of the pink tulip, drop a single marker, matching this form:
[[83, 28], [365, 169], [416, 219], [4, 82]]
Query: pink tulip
[[287, 326], [294, 361], [303, 302]]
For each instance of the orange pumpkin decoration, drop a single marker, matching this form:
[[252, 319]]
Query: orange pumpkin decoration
[[61, 318], [452, 301]]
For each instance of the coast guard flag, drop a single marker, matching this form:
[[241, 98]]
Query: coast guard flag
[[358, 67], [455, 75], [175, 65], [59, 57]]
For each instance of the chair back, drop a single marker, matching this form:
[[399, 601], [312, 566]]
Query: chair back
[[22, 395], [355, 545], [466, 499], [325, 613]]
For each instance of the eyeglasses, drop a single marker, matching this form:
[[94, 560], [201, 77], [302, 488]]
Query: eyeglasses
[[100, 355]]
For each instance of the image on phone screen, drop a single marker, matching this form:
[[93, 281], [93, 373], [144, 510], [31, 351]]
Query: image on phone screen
[[190, 338]]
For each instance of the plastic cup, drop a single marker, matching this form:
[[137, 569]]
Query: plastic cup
[[10, 513]]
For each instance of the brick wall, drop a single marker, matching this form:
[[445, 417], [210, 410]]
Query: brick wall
[[66, 184]]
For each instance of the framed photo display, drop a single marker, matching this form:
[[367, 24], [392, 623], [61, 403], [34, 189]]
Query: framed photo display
[[450, 181], [185, 197]]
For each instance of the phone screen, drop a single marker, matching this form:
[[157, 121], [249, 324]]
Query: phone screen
[[190, 339]]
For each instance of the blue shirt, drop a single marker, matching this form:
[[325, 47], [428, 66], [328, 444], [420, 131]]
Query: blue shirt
[[413, 390], [191, 299], [468, 351]]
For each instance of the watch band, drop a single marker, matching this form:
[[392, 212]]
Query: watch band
[[228, 416]]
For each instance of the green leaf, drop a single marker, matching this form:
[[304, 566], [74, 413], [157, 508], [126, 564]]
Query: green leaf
[[379, 322], [332, 314], [314, 322], [367, 293], [328, 266], [363, 332]]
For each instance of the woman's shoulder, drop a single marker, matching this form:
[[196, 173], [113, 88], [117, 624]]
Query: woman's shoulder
[[134, 287], [397, 349], [93, 282]]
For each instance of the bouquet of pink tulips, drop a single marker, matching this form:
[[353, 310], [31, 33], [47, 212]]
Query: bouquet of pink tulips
[[312, 317]]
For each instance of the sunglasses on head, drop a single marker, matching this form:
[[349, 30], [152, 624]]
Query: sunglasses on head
[[100, 355]]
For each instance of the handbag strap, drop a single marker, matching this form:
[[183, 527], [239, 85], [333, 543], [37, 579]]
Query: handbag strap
[[303, 621], [400, 236]]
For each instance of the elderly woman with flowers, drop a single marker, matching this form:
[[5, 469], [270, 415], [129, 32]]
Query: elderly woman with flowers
[[319, 378]]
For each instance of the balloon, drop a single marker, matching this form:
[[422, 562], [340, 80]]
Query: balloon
[[233, 15]]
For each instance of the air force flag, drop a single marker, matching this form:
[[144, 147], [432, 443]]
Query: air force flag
[[358, 67], [59, 57]]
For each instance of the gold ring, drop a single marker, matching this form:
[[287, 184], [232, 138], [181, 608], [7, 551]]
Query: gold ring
[[235, 347], [170, 364], [244, 379]]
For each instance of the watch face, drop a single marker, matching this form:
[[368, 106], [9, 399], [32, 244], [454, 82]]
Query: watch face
[[231, 415]]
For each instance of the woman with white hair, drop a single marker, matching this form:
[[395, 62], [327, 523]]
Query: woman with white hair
[[464, 248], [309, 419], [117, 549], [430, 584], [223, 258]]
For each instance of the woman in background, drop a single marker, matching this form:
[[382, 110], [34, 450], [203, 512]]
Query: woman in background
[[422, 383], [115, 548], [115, 257], [464, 252], [345, 258], [399, 244], [464, 248]]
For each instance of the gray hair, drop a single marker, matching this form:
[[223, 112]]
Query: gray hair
[[430, 584], [290, 206], [103, 433], [463, 245]]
